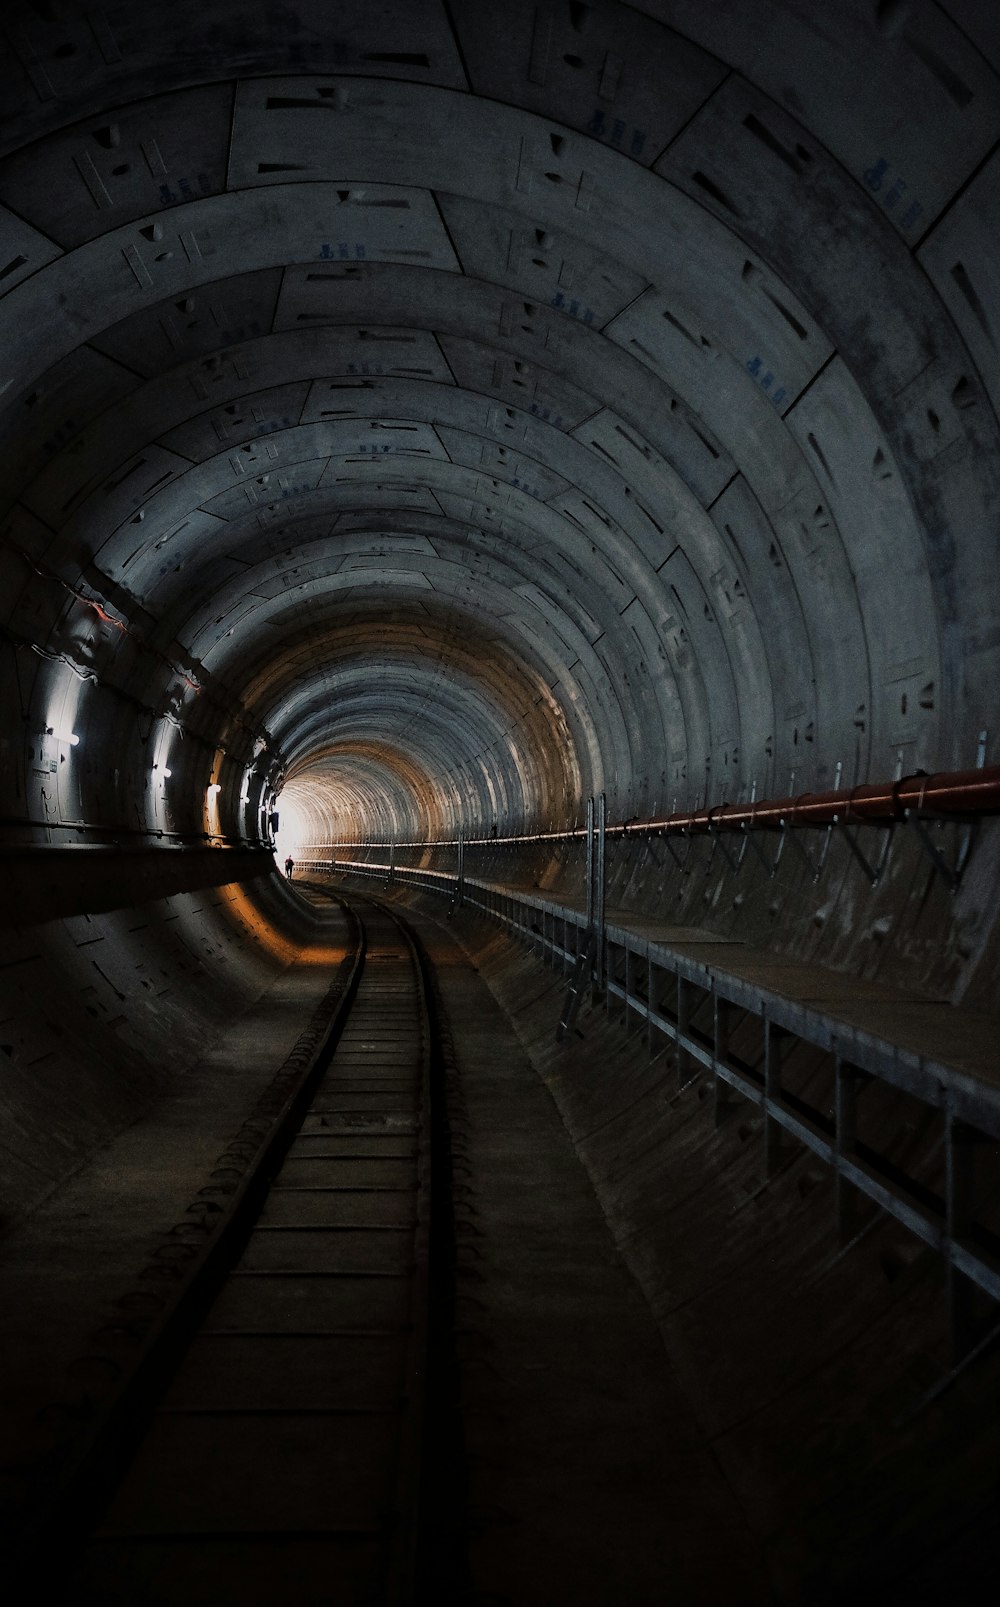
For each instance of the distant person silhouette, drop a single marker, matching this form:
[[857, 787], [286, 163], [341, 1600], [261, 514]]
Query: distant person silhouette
[[289, 867]]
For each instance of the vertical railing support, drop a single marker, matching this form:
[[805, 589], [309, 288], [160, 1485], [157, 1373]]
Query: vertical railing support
[[848, 1081], [772, 1094], [460, 887], [960, 1192], [600, 883], [722, 1097], [590, 864], [683, 1028], [631, 1004], [654, 1004]]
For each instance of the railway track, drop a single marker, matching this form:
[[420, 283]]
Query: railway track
[[285, 1460]]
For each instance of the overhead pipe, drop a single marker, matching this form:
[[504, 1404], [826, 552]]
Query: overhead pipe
[[962, 792], [955, 793]]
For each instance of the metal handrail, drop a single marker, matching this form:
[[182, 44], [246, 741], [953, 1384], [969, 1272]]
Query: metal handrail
[[969, 1104]]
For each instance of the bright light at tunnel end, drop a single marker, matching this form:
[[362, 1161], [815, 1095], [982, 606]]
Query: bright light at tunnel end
[[293, 828]]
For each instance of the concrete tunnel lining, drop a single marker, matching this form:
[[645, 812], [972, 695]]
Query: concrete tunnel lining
[[734, 515], [678, 326], [694, 221]]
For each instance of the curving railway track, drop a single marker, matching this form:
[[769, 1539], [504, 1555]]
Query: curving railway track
[[272, 1440]]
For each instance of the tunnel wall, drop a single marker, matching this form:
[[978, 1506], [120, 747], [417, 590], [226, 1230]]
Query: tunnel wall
[[680, 381], [461, 410], [104, 1015]]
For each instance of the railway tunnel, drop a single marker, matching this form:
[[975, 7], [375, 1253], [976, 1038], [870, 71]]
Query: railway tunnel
[[537, 467]]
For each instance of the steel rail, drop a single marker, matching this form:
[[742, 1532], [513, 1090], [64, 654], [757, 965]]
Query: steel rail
[[266, 1230], [186, 1272], [195, 1273]]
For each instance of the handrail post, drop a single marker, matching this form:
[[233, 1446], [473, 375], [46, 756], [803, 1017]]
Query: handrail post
[[590, 864], [600, 878]]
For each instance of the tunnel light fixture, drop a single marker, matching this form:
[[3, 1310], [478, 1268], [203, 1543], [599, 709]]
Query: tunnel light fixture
[[63, 736], [214, 787], [167, 772]]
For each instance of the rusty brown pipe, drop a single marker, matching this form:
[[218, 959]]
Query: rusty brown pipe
[[961, 792], [953, 792]]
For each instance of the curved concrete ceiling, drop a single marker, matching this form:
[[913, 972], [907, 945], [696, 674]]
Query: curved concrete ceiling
[[450, 410]]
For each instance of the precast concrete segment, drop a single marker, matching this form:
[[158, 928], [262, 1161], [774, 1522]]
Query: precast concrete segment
[[791, 328], [90, 1000]]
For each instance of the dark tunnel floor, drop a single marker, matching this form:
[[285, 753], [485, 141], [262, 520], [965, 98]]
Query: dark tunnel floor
[[589, 1479], [63, 1270], [673, 1386], [818, 1372]]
